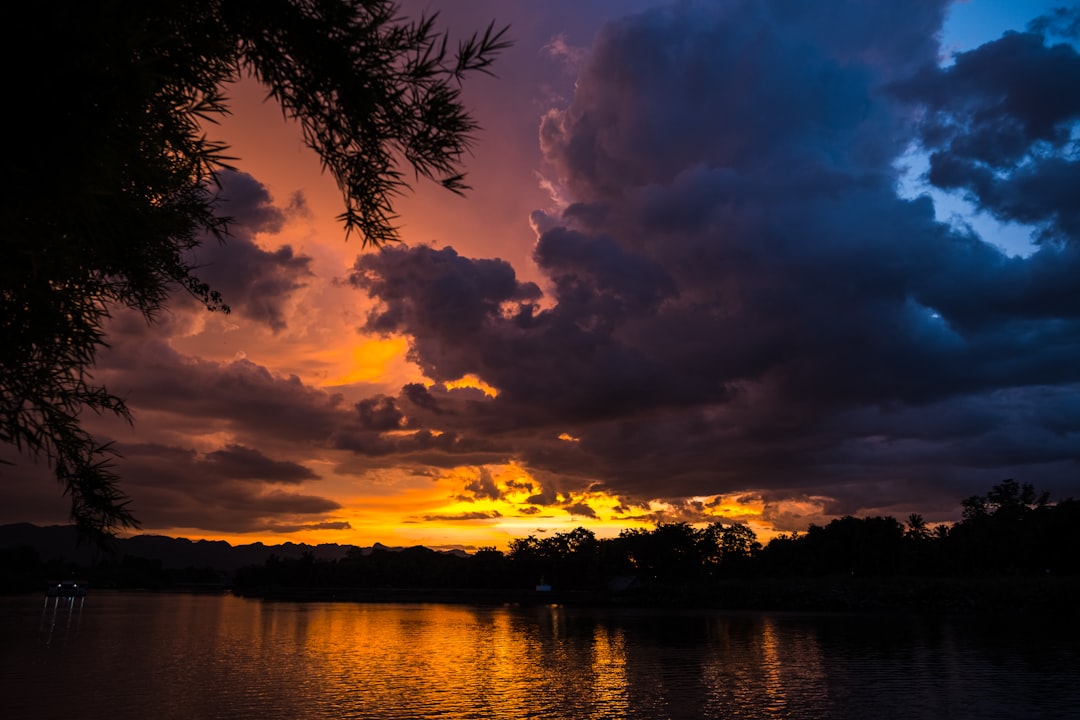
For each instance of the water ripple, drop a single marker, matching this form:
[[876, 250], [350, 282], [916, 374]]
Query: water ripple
[[168, 656]]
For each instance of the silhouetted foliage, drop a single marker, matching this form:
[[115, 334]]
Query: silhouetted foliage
[[1010, 530], [738, 547], [1014, 531], [855, 546], [565, 558], [1013, 536], [112, 179]]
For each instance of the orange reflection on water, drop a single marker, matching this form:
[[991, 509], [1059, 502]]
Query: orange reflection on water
[[609, 667], [771, 655], [470, 662], [792, 666], [450, 661]]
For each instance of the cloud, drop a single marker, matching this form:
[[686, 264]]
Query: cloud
[[328, 525], [443, 297], [243, 463], [581, 510], [218, 446], [484, 486], [480, 515], [256, 283], [1061, 22], [569, 55], [745, 85], [738, 298], [200, 459], [999, 126], [201, 396], [234, 489]]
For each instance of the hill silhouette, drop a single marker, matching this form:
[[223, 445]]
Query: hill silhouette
[[58, 544]]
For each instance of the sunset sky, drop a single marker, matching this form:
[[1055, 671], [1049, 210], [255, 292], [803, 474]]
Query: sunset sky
[[763, 262]]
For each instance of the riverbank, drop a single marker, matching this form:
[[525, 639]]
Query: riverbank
[[1015, 595]]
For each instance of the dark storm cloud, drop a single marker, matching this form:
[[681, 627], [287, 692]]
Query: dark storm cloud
[[423, 427], [254, 282], [201, 395], [1061, 22], [244, 463], [222, 443], [237, 486], [228, 490], [175, 487], [423, 447], [379, 414], [442, 296], [247, 203], [774, 87], [477, 318], [739, 297]]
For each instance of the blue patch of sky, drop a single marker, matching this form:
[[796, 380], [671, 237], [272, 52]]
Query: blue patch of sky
[[969, 24]]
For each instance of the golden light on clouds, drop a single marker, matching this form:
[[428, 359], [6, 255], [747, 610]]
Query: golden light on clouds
[[469, 507], [472, 381], [474, 506]]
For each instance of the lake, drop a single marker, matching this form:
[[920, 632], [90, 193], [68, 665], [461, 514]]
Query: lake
[[131, 655]]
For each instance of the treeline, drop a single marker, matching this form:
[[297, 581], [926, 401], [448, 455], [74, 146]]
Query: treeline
[[1011, 531]]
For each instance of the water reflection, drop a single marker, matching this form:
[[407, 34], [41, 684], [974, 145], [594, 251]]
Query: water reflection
[[196, 656], [70, 615], [610, 666]]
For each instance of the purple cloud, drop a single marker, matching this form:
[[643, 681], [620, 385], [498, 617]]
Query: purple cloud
[[254, 282]]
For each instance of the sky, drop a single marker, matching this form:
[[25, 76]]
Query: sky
[[761, 262]]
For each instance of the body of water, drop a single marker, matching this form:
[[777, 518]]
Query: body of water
[[161, 656]]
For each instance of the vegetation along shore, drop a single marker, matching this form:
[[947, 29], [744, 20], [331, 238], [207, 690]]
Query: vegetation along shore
[[1014, 551]]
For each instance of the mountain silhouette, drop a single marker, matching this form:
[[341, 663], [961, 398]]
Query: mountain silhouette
[[60, 542]]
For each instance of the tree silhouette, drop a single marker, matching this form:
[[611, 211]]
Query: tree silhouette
[[112, 179], [740, 546], [917, 528], [569, 559], [1011, 529], [1008, 501]]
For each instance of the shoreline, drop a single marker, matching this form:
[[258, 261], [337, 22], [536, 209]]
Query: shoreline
[[1008, 595]]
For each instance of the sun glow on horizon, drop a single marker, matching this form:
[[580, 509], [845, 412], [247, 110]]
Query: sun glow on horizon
[[439, 516]]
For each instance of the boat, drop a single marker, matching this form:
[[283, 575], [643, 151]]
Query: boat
[[66, 589]]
